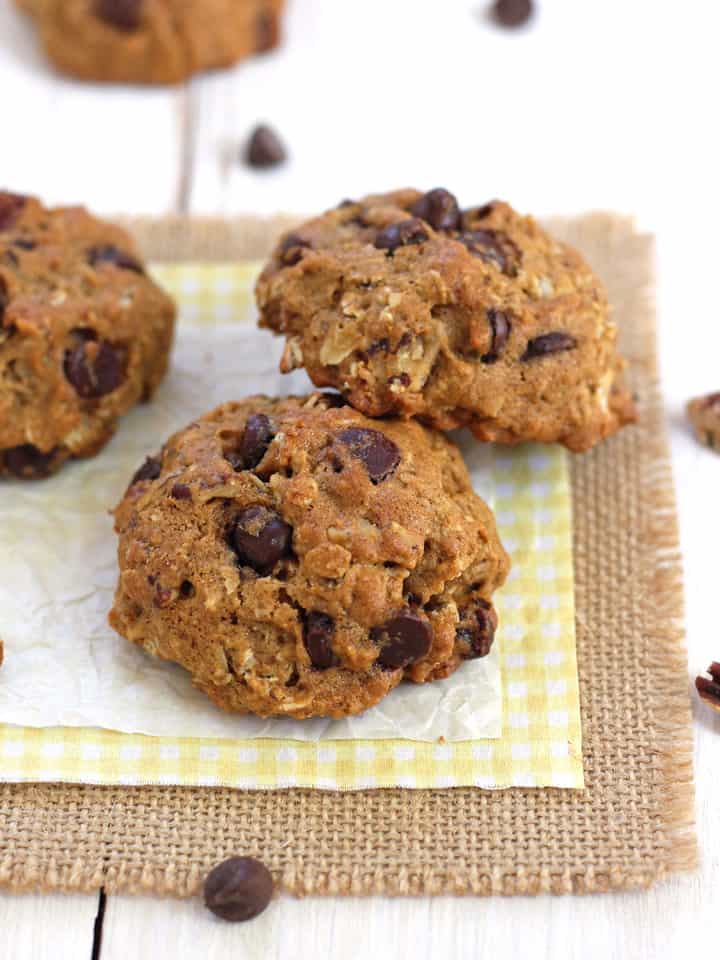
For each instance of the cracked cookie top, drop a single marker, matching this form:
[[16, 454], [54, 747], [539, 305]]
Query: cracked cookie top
[[411, 306], [299, 559]]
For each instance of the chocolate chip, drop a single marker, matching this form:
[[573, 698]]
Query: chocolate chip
[[28, 462], [290, 249], [264, 148], [187, 588], [22, 243], [180, 491], [260, 538], [476, 630], [115, 257], [712, 400], [709, 690], [512, 13], [500, 326], [267, 34], [94, 368], [238, 889], [11, 206], [492, 246], [150, 470], [319, 628], [547, 343], [256, 439], [403, 640], [401, 234], [345, 203], [4, 299], [439, 208], [124, 14], [378, 452]]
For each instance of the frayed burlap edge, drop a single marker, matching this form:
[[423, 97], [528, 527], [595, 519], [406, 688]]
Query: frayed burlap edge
[[632, 825]]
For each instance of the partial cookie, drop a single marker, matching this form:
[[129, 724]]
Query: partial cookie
[[704, 415], [477, 318], [301, 560], [153, 41], [84, 334]]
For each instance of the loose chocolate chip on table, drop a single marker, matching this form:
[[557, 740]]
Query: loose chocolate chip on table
[[124, 14], [114, 256], [290, 249], [150, 470], [476, 630], [403, 639], [548, 343], [29, 462], [264, 148], [500, 327], [181, 491], [319, 628], [512, 13], [439, 208], [401, 234], [94, 369], [260, 538], [378, 452], [256, 439], [490, 246], [238, 889], [709, 690]]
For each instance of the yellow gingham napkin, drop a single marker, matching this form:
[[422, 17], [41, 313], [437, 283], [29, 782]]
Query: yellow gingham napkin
[[541, 737]]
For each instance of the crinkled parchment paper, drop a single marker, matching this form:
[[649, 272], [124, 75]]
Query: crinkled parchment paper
[[64, 666]]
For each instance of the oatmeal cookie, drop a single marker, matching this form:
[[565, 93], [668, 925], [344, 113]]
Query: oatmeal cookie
[[84, 334], [152, 41], [410, 306], [301, 560], [704, 415]]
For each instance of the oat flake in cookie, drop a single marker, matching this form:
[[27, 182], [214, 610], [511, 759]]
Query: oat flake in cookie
[[301, 560], [152, 41], [84, 334], [411, 306]]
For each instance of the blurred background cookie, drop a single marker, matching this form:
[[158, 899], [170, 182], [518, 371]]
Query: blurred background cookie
[[84, 334]]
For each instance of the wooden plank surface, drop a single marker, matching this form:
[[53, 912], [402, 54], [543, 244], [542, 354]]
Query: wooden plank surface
[[599, 104]]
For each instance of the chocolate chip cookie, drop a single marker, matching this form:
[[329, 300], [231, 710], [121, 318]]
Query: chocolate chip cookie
[[301, 560], [153, 41], [704, 415], [411, 306], [84, 334]]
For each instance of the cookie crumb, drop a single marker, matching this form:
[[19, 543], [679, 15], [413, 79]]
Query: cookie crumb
[[265, 148], [709, 690], [704, 415]]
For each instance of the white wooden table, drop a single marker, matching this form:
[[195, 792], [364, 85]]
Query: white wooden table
[[601, 103]]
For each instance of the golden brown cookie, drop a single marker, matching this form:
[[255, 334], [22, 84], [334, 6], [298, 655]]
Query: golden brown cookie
[[410, 306], [84, 334], [153, 41], [301, 560], [704, 415]]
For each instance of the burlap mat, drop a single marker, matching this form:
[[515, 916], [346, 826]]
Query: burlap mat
[[632, 825]]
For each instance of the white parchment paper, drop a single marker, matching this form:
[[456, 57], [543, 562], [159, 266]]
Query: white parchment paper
[[64, 666]]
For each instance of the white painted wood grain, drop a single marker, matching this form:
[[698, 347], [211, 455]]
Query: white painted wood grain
[[52, 927]]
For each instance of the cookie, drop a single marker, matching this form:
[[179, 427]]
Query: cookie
[[704, 415], [152, 41], [410, 306], [301, 560], [84, 334]]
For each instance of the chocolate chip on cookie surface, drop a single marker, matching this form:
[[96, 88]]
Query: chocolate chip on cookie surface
[[153, 41], [84, 334], [317, 559], [411, 306]]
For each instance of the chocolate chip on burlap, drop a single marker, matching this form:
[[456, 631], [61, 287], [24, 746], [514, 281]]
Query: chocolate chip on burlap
[[238, 889]]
